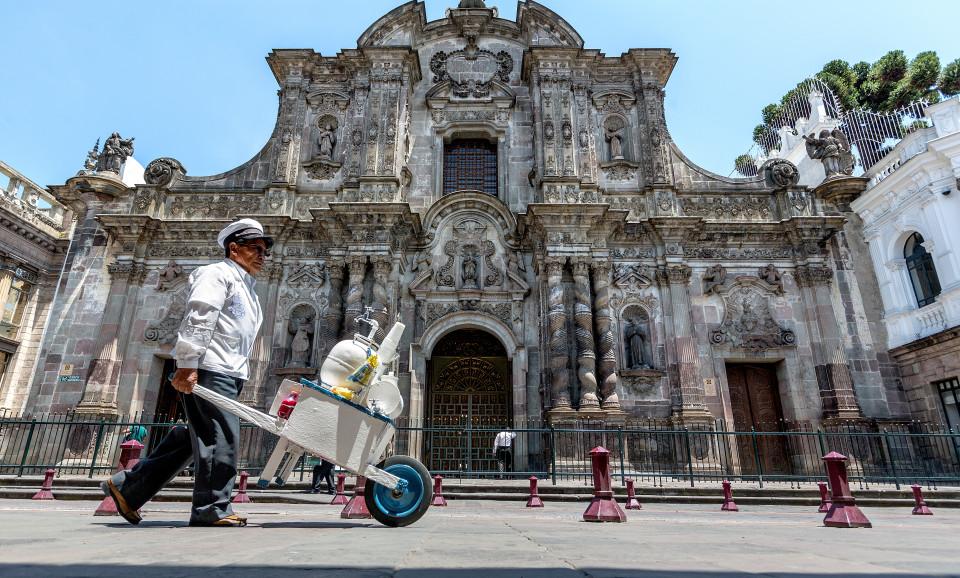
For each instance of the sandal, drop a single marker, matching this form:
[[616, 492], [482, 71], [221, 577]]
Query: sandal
[[231, 520], [123, 509]]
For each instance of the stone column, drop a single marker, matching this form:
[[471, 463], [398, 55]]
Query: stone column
[[381, 274], [358, 270], [586, 356], [605, 346], [99, 390], [334, 314], [833, 372], [557, 319], [685, 346]]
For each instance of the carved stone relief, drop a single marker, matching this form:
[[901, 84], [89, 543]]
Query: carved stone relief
[[747, 322]]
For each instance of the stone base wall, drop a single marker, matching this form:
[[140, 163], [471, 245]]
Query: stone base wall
[[923, 363]]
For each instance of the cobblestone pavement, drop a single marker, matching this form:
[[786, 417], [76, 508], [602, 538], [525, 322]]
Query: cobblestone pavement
[[475, 538]]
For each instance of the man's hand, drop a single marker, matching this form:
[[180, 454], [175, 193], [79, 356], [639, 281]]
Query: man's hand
[[184, 379]]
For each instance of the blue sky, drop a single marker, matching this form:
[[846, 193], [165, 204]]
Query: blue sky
[[189, 80]]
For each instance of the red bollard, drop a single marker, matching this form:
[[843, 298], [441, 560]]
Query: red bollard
[[534, 501], [728, 504], [356, 508], [341, 497], [603, 508], [824, 497], [843, 512], [129, 456], [920, 509], [242, 497], [45, 492], [632, 503], [438, 499]]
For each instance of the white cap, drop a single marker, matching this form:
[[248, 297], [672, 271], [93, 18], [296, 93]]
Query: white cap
[[244, 229]]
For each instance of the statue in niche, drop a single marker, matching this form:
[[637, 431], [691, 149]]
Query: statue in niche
[[771, 275], [714, 277], [169, 275], [302, 329], [615, 136], [327, 140], [470, 272], [115, 152], [833, 150], [635, 341]]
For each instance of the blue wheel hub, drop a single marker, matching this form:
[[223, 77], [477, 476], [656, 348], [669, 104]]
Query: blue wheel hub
[[398, 502]]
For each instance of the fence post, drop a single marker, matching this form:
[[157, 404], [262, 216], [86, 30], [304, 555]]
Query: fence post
[[756, 455], [96, 448], [26, 449], [553, 456], [956, 450], [686, 436], [623, 477], [893, 461]]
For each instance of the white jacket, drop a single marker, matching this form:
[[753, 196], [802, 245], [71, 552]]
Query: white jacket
[[221, 320]]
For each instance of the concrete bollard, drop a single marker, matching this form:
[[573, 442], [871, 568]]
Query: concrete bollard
[[824, 497], [534, 501], [341, 497], [45, 492], [356, 508], [129, 456], [242, 497], [843, 512], [603, 508], [438, 499], [632, 503], [728, 504], [920, 509]]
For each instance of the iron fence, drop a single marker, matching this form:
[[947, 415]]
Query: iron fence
[[654, 452]]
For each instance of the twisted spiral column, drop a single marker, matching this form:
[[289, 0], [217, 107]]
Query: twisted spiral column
[[557, 319], [381, 271], [358, 270], [334, 314], [607, 364], [583, 316]]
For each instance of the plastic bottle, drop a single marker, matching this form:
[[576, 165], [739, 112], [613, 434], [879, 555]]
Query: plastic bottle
[[287, 405]]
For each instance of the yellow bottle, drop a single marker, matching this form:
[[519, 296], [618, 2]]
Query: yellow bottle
[[363, 375]]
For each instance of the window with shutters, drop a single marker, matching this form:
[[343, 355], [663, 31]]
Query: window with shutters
[[470, 164]]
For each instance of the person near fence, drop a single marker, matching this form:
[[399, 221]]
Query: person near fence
[[214, 343], [136, 433], [323, 471], [502, 449]]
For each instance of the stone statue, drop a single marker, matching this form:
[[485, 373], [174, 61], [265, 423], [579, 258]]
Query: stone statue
[[635, 344], [169, 274], [115, 152], [714, 277], [327, 140], [302, 329], [772, 276], [470, 272], [833, 150], [615, 136]]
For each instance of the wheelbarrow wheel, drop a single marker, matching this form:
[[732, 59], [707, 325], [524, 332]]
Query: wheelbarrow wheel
[[394, 509]]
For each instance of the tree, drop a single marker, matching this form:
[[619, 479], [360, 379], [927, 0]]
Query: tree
[[882, 87]]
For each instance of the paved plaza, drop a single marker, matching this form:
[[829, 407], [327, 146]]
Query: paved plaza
[[475, 538]]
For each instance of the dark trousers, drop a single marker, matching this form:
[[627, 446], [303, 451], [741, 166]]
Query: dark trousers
[[321, 471], [505, 458], [209, 441]]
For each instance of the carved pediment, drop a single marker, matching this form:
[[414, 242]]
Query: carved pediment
[[471, 71], [747, 320]]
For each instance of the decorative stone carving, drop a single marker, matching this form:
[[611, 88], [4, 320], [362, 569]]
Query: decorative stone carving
[[169, 275], [614, 126], [735, 253], [435, 311], [326, 141], [833, 150], [811, 275], [472, 70], [724, 207], [781, 173], [492, 275], [444, 276], [643, 383], [583, 317], [771, 275], [322, 169], [713, 277], [164, 331], [215, 206], [115, 152], [91, 161], [301, 325], [161, 171], [748, 323], [557, 319], [636, 339]]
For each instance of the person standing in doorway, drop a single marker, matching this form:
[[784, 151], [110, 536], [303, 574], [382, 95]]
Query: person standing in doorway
[[214, 343], [502, 449]]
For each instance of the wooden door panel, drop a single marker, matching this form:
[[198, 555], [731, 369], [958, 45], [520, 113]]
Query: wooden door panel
[[755, 404]]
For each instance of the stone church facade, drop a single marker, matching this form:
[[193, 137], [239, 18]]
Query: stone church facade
[[517, 201]]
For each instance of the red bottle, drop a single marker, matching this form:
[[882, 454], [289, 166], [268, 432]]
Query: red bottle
[[287, 405]]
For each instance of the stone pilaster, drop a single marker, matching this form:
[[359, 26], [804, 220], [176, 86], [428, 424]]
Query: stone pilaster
[[586, 355], [557, 319], [357, 266], [687, 360]]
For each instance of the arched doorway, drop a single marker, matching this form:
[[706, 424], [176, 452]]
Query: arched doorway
[[469, 397]]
